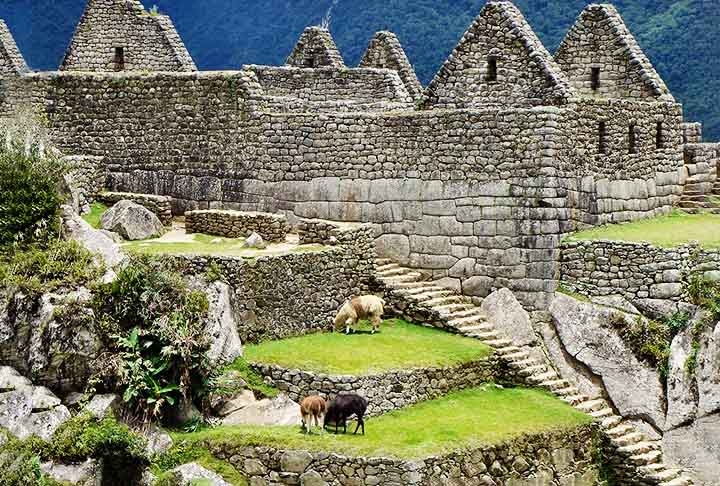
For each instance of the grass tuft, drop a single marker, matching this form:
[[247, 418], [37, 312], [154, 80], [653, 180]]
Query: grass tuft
[[668, 231], [398, 346], [97, 209], [465, 419]]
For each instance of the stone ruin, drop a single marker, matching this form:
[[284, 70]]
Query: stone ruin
[[473, 180]]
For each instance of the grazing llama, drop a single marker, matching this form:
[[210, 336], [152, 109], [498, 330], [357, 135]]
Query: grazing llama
[[364, 307], [312, 409], [344, 407]]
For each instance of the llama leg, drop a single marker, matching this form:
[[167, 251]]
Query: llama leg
[[375, 323]]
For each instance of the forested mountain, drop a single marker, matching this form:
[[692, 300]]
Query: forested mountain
[[681, 37]]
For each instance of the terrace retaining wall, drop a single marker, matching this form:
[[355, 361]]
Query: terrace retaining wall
[[160, 205], [387, 391], [234, 224], [552, 458], [634, 270]]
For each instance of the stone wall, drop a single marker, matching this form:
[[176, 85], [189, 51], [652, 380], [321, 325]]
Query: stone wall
[[385, 52], [296, 293], [633, 270], [148, 40], [160, 205], [11, 61], [288, 89], [86, 178], [315, 48], [236, 224], [548, 459], [701, 163], [385, 392], [692, 132]]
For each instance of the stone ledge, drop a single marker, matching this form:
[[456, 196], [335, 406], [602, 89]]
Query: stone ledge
[[236, 224], [387, 391]]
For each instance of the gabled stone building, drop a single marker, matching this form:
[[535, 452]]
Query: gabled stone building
[[473, 180]]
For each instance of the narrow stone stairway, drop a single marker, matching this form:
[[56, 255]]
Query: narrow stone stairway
[[637, 460], [700, 197]]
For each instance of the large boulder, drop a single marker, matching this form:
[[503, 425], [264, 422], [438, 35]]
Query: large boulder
[[192, 474], [697, 448], [221, 326], [586, 333], [131, 221], [88, 473], [682, 403], [27, 410], [52, 338], [277, 411], [708, 371], [507, 315]]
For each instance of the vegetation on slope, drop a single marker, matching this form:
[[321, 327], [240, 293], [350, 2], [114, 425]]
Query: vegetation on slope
[[398, 346], [669, 231], [469, 418]]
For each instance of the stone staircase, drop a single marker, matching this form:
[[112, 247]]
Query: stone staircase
[[637, 459], [699, 196]]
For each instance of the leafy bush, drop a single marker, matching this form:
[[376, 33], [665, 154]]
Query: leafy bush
[[20, 465], [44, 268], [30, 179], [159, 333]]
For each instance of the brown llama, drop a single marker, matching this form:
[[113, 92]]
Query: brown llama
[[312, 408]]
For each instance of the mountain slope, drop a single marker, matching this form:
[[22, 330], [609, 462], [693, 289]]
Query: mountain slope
[[679, 36]]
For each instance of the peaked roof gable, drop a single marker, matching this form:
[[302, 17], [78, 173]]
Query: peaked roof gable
[[386, 52], [526, 72], [11, 60], [149, 40], [601, 39], [315, 48]]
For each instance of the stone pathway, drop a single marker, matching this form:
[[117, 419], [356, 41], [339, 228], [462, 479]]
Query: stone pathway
[[637, 461], [700, 195]]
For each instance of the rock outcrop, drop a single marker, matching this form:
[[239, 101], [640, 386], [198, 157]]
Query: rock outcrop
[[193, 474], [221, 326], [506, 314], [277, 411], [132, 221]]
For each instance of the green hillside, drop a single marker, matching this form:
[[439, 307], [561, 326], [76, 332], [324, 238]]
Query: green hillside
[[680, 36]]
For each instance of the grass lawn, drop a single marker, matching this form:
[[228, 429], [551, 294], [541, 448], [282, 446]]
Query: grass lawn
[[665, 231], [399, 345], [469, 418], [209, 245], [97, 209]]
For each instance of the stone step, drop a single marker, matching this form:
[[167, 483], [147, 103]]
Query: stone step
[[666, 475], [474, 324], [498, 344], [533, 370], [628, 439], [432, 294], [620, 430], [565, 392], [446, 299], [452, 309], [609, 421], [575, 400], [491, 335], [592, 405], [524, 363], [384, 261], [601, 414], [408, 288], [681, 481], [540, 377], [651, 457], [469, 312], [555, 384], [639, 448], [510, 349], [408, 277], [390, 272]]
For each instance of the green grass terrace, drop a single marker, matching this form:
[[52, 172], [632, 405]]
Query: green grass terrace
[[466, 419], [669, 231], [398, 346]]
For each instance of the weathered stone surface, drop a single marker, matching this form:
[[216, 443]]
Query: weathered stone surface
[[255, 241], [507, 315], [108, 252], [88, 473], [478, 286], [585, 331], [708, 371], [221, 326], [158, 441], [295, 461], [278, 411], [681, 395], [394, 247], [131, 221], [101, 406], [193, 473], [617, 301], [238, 402], [312, 478], [696, 447]]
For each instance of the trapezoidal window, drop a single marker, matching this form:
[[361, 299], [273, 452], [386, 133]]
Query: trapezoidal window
[[632, 139], [595, 78], [659, 136], [119, 59], [602, 138], [491, 74]]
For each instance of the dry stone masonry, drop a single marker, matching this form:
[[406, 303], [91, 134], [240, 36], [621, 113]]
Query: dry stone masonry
[[509, 148], [159, 205], [236, 224]]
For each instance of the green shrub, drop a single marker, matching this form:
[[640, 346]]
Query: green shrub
[[20, 465], [253, 380], [159, 335], [30, 181], [41, 268]]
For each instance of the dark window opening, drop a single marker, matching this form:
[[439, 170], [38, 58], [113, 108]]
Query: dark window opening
[[602, 136], [119, 60], [310, 62], [632, 139], [595, 78], [659, 136], [492, 73]]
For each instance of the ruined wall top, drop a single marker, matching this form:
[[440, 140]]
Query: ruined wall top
[[602, 58], [117, 35], [11, 61], [499, 61], [385, 51], [315, 48]]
